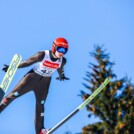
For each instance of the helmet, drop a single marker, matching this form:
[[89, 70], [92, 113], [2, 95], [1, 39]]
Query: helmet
[[59, 42]]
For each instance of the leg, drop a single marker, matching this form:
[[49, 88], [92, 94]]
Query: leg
[[41, 94], [22, 88]]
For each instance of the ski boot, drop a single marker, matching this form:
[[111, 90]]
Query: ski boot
[[43, 131]]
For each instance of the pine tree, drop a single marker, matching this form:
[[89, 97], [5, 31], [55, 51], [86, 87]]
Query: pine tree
[[114, 106]]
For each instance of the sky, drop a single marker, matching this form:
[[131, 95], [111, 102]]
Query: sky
[[29, 26]]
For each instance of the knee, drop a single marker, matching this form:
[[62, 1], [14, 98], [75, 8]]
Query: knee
[[16, 94], [12, 95], [42, 102]]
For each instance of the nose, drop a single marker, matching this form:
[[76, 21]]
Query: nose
[[61, 53]]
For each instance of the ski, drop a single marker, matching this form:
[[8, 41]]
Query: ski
[[9, 74], [86, 102]]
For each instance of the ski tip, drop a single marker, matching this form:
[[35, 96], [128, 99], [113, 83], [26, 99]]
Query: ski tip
[[107, 80], [17, 55]]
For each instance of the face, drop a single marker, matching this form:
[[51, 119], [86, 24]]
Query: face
[[58, 54], [60, 51]]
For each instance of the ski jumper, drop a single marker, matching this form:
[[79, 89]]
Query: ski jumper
[[37, 80]]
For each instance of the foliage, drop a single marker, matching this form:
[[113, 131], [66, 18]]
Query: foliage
[[114, 106]]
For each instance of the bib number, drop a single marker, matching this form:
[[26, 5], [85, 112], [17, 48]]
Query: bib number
[[47, 71]]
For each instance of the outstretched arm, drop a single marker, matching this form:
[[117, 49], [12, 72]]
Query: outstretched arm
[[33, 59]]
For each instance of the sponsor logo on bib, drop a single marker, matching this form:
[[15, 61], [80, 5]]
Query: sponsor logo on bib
[[50, 64]]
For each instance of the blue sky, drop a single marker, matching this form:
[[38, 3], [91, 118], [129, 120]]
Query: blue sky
[[28, 26]]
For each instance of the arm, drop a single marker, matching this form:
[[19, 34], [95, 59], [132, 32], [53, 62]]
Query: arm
[[61, 71], [33, 59]]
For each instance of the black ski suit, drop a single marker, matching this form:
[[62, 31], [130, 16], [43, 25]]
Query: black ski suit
[[36, 83]]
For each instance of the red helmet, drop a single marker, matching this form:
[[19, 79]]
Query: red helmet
[[59, 42]]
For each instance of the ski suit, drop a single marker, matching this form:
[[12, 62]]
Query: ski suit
[[37, 80]]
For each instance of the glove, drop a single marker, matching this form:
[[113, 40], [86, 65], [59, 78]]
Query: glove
[[62, 77], [5, 68]]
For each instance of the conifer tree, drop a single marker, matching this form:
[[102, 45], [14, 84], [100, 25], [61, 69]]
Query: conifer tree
[[114, 106]]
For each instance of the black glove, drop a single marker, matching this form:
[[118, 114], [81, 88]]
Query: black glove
[[62, 77], [5, 68]]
